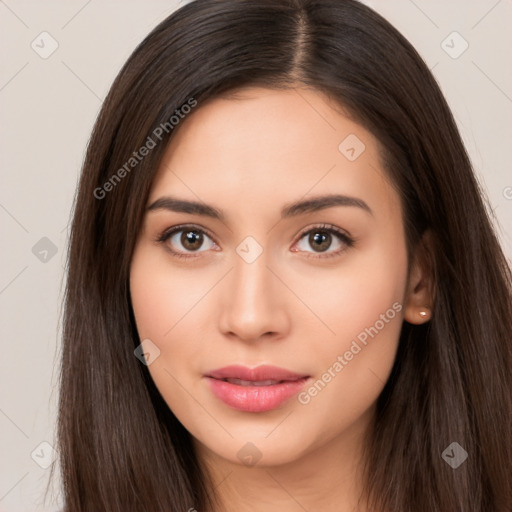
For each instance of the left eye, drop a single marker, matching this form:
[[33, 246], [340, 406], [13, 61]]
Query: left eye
[[322, 238]]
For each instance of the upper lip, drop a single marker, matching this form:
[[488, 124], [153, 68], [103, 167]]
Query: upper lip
[[260, 373]]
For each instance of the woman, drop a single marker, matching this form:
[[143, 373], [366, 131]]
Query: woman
[[284, 290]]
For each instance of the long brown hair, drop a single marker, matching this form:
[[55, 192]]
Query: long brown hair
[[121, 448]]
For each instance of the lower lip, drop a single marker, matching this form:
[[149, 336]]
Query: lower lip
[[255, 398]]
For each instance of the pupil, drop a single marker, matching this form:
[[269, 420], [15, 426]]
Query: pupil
[[190, 240], [319, 239]]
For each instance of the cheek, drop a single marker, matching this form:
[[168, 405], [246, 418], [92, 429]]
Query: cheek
[[162, 295], [170, 305], [163, 300], [159, 301], [367, 292], [353, 296], [364, 308]]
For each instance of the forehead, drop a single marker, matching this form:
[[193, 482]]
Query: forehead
[[279, 145]]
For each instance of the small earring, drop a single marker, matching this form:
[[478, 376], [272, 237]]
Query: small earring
[[425, 313]]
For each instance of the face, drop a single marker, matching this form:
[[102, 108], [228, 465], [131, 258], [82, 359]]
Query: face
[[273, 307]]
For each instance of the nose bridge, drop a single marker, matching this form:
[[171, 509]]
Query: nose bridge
[[251, 281], [253, 304]]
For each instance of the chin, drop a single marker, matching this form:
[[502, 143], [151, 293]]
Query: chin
[[253, 448]]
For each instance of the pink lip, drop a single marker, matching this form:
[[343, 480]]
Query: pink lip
[[253, 398]]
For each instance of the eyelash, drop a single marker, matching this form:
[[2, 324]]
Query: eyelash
[[324, 228]]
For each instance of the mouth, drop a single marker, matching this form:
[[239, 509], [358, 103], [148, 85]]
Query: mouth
[[240, 382], [259, 389]]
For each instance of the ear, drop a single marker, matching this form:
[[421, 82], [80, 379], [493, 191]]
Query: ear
[[419, 297]]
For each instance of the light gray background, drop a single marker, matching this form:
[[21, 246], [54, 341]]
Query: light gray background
[[48, 107]]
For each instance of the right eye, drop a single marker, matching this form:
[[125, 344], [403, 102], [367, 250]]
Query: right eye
[[189, 237]]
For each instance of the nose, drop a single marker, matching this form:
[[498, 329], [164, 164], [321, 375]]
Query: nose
[[253, 302]]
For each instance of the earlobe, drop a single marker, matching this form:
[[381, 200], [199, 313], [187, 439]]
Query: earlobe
[[419, 296]]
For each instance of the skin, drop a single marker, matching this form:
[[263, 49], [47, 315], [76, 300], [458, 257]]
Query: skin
[[249, 155]]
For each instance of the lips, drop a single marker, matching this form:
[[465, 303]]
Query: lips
[[258, 374], [240, 382], [255, 389]]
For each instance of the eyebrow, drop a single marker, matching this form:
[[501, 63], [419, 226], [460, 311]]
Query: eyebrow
[[289, 210]]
